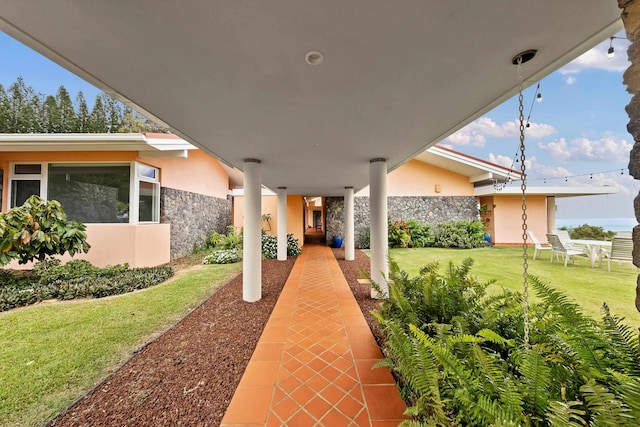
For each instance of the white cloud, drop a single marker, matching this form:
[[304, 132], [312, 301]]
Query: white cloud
[[477, 132], [583, 149], [597, 58], [570, 80], [501, 160]]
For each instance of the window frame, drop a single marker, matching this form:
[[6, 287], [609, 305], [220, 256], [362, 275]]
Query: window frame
[[134, 182]]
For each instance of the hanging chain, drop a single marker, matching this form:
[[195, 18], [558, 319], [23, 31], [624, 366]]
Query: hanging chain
[[523, 187]]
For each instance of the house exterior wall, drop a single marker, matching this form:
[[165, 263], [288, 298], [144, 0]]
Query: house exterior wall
[[192, 217], [424, 209], [193, 202], [295, 215], [416, 178], [507, 218], [199, 173], [144, 245]]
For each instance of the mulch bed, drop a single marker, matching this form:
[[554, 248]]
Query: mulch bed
[[189, 374]]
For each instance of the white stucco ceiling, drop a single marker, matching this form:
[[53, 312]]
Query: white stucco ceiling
[[230, 76]]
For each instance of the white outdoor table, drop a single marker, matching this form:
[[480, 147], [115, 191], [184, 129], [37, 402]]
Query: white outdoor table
[[592, 246]]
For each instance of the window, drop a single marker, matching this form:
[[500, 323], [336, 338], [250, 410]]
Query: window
[[148, 189], [91, 193], [26, 180]]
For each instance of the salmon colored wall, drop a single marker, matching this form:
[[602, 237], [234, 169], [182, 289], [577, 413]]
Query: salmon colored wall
[[199, 173], [507, 218], [416, 178], [143, 245], [295, 214]]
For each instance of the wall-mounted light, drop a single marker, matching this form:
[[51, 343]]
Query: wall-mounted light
[[611, 53], [438, 188]]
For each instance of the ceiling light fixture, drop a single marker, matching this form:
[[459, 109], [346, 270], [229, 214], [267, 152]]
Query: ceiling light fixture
[[314, 57]]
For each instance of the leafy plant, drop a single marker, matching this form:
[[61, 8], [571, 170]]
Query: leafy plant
[[270, 246], [590, 232], [39, 229], [77, 279], [223, 256], [363, 236], [460, 359], [231, 240], [399, 236], [421, 236], [459, 234]]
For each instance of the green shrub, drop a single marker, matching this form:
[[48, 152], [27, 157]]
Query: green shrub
[[223, 256], [270, 246], [459, 234], [79, 279], [399, 236], [590, 232], [231, 240], [420, 234], [39, 229], [460, 358], [363, 236]]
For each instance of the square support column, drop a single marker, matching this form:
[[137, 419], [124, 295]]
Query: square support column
[[551, 214], [379, 226], [252, 237], [349, 235], [282, 223]]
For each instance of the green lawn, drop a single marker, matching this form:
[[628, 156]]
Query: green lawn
[[588, 287], [51, 353]]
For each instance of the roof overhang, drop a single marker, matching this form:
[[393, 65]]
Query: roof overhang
[[231, 76], [478, 171], [151, 145], [491, 190]]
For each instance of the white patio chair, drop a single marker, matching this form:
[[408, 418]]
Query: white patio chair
[[566, 239], [621, 250], [557, 249], [539, 246]]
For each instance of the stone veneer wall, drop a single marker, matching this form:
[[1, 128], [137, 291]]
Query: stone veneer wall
[[631, 20], [424, 209], [192, 217]]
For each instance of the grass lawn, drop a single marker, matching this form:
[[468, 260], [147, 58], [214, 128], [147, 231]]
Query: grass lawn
[[51, 353], [588, 287]]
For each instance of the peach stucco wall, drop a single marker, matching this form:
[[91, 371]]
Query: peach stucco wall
[[416, 178], [507, 218], [199, 173], [295, 214], [143, 245]]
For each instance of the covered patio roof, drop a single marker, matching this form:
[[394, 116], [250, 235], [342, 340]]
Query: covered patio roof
[[312, 89]]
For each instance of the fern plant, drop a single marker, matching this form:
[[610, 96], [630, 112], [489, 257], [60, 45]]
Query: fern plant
[[460, 359]]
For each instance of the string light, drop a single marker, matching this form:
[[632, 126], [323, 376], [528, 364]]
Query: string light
[[567, 177]]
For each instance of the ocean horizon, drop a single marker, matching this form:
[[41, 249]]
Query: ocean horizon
[[608, 224]]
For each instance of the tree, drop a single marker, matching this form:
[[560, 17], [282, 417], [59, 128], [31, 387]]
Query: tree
[[97, 121], [39, 229], [52, 116], [67, 113], [82, 118]]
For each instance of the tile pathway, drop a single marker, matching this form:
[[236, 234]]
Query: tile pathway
[[313, 363]]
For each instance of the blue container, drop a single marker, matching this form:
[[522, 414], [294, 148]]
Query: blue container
[[337, 242]]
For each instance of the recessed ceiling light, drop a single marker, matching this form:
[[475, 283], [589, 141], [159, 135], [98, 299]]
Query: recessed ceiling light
[[315, 145], [313, 57]]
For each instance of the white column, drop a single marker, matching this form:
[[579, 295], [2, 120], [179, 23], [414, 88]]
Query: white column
[[349, 235], [282, 223], [379, 226], [252, 238], [551, 214]]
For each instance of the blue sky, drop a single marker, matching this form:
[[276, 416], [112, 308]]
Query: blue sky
[[577, 134]]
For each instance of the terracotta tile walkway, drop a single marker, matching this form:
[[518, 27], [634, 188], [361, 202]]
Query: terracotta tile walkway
[[313, 363]]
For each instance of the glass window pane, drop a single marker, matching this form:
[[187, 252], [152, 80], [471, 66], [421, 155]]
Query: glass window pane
[[148, 202], [21, 190], [34, 169], [91, 193], [147, 171]]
